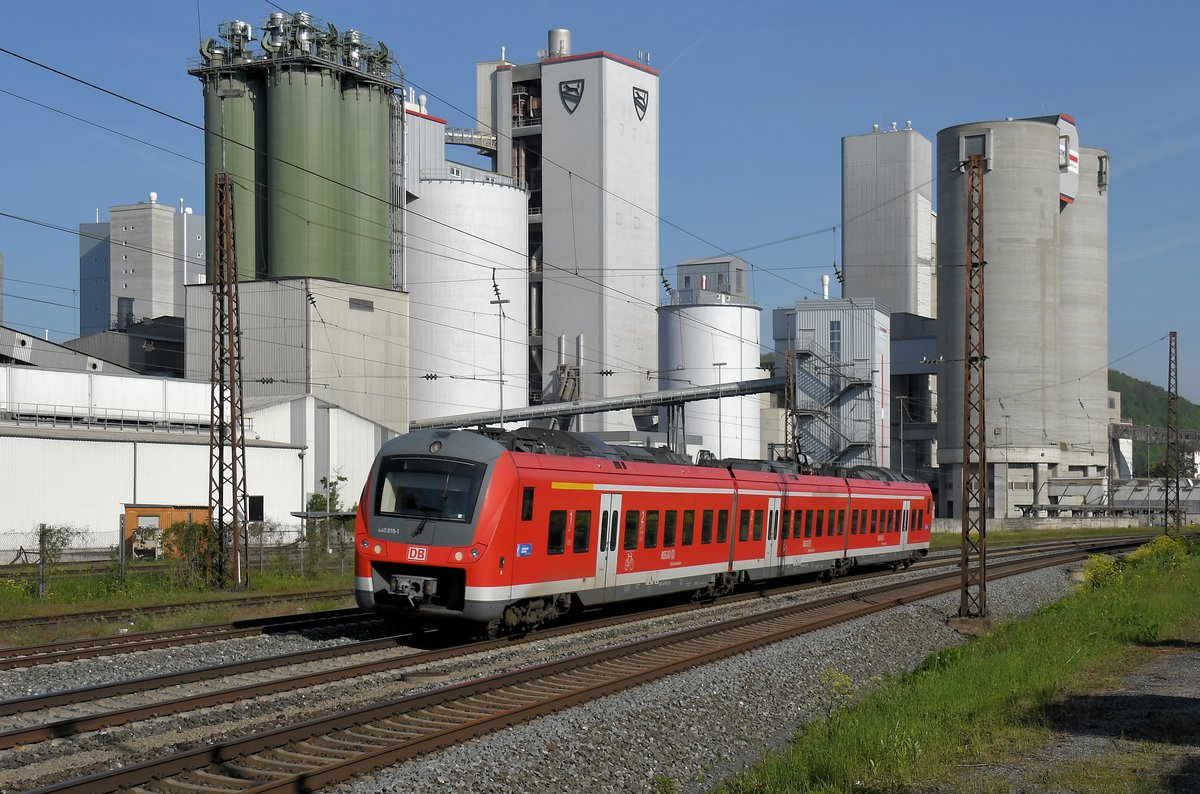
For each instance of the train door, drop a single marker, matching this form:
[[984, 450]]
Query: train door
[[608, 555], [904, 525], [772, 550]]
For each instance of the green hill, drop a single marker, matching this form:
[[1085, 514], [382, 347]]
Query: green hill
[[1144, 403]]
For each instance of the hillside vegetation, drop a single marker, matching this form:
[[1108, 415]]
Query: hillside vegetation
[[1144, 403]]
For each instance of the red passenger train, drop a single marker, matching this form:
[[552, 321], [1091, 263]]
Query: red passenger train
[[511, 531]]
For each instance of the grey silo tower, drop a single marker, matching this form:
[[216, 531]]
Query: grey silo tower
[[1046, 319], [887, 219], [581, 130]]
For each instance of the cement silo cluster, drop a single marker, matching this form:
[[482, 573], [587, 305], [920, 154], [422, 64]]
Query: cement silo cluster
[[1046, 318], [305, 125]]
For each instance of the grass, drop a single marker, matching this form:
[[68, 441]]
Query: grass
[[990, 702], [72, 593]]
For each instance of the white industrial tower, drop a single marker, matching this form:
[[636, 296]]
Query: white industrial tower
[[581, 130]]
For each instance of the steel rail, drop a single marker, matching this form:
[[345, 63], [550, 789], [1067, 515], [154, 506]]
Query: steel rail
[[296, 758]]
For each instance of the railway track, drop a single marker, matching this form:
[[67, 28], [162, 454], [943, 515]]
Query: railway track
[[125, 614], [322, 751], [71, 650]]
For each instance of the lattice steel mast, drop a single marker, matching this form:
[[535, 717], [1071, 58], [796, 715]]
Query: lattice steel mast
[[1171, 514], [226, 442], [974, 445]]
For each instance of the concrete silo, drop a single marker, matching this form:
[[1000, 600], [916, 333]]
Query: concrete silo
[[1045, 313]]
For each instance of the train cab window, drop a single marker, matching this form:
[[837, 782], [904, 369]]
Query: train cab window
[[706, 527], [670, 518], [787, 525], [820, 522], [689, 526], [556, 541], [651, 529], [722, 526], [428, 488], [583, 531], [744, 526], [758, 524], [854, 522], [527, 505], [631, 529], [920, 524], [808, 523]]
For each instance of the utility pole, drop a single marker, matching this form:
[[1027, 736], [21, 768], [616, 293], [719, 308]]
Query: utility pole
[[1171, 517], [499, 304], [226, 442], [973, 603]]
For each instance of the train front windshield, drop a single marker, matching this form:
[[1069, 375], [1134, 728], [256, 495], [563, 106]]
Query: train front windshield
[[429, 488]]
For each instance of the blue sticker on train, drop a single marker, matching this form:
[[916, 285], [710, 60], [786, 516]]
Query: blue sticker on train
[[524, 549]]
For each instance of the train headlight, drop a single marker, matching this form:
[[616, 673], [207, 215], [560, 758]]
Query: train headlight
[[435, 447], [378, 549], [458, 555]]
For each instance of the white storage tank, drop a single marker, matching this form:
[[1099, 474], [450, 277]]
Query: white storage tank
[[466, 224], [709, 344]]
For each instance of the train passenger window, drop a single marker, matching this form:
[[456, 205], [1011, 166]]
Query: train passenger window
[[758, 524], [556, 541], [689, 526], [787, 524], [631, 529], [583, 531], [896, 521], [669, 519], [527, 505], [874, 521], [722, 526], [820, 522], [808, 523], [920, 520], [603, 530], [854, 522], [651, 529], [744, 526], [706, 527]]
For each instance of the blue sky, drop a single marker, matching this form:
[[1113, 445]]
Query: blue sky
[[755, 98]]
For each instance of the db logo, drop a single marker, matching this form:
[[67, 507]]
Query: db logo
[[417, 553]]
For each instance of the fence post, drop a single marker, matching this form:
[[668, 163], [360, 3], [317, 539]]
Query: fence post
[[42, 583]]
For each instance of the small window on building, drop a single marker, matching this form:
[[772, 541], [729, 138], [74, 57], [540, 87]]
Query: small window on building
[[557, 536], [835, 339], [1102, 171], [687, 281], [631, 530], [1112, 403], [1064, 152], [670, 518], [738, 275], [974, 144], [583, 531], [689, 526], [651, 529], [722, 526], [706, 527], [362, 305]]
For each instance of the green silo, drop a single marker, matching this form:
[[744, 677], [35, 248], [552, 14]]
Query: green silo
[[365, 157], [235, 140]]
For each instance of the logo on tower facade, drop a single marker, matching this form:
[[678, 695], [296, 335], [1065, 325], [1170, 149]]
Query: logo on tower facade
[[570, 92], [641, 100]]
